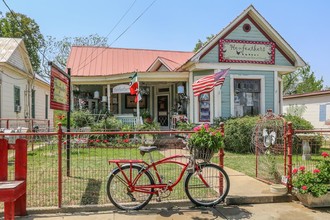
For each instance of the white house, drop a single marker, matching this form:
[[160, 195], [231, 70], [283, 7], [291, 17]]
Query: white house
[[23, 94], [315, 106]]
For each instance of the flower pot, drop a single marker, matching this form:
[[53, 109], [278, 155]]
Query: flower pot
[[314, 202], [279, 189]]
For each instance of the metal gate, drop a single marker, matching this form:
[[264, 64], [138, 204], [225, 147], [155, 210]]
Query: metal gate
[[270, 148]]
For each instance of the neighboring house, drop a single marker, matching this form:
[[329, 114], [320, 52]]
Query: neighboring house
[[315, 105], [256, 54], [23, 95]]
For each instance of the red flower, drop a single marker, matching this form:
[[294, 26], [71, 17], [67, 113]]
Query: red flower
[[316, 171], [91, 141], [302, 168], [325, 154], [294, 171], [197, 128], [126, 140], [97, 140], [304, 187], [105, 141], [121, 134]]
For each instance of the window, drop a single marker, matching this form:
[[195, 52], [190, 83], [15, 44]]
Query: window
[[204, 107], [33, 104], [247, 97], [17, 98], [46, 107]]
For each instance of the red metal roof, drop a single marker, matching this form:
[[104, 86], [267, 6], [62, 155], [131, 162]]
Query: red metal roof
[[105, 61], [317, 93]]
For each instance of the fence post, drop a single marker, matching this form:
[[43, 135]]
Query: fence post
[[289, 136], [21, 173], [59, 149], [222, 152]]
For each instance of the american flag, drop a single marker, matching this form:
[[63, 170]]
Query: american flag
[[207, 83]]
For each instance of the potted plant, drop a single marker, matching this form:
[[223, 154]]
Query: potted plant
[[205, 142], [312, 187]]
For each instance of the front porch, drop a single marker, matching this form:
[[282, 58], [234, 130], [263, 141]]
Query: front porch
[[161, 102]]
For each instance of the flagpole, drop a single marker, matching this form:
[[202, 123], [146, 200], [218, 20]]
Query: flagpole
[[138, 103]]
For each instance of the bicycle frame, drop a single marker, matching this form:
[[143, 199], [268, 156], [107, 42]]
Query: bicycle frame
[[143, 188]]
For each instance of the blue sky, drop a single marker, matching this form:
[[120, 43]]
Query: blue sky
[[178, 24]]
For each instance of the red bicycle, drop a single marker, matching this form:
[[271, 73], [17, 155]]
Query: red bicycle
[[131, 185]]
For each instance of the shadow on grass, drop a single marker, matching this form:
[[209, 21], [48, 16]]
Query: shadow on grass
[[92, 192]]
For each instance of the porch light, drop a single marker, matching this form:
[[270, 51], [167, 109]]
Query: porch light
[[104, 99], [96, 95]]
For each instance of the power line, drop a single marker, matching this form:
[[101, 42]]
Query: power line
[[145, 10], [122, 17]]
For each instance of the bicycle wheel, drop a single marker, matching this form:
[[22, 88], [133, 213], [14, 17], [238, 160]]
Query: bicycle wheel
[[119, 192], [207, 187]]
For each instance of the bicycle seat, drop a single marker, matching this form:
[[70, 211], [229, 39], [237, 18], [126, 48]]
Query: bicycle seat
[[147, 149]]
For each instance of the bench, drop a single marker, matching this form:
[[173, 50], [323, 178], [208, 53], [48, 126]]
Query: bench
[[13, 192]]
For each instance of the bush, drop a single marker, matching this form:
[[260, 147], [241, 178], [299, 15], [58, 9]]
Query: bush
[[238, 133], [81, 119]]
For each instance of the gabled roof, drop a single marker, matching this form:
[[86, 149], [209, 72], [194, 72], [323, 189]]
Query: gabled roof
[[169, 64], [7, 53], [267, 29], [105, 61]]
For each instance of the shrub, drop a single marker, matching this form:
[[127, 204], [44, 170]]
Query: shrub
[[81, 119], [238, 133]]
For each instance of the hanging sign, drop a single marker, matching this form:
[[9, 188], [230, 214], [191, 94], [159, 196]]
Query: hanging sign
[[122, 88], [59, 89], [239, 51]]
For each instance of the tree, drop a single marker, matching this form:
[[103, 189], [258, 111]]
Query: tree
[[200, 43], [18, 25], [58, 51], [301, 81]]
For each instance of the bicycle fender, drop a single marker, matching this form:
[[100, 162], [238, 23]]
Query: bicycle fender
[[133, 165]]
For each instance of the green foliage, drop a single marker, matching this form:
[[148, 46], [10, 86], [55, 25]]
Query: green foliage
[[109, 123], [18, 25], [206, 137], [238, 133], [296, 110], [200, 43], [184, 126], [81, 119], [59, 50], [316, 182], [301, 81], [153, 126]]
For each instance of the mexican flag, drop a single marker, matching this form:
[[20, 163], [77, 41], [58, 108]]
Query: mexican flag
[[134, 88], [134, 85]]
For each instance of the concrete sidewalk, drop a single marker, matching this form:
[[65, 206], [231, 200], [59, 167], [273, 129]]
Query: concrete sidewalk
[[283, 211]]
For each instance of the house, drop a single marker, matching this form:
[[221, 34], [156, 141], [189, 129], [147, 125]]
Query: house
[[23, 94], [254, 51], [314, 107]]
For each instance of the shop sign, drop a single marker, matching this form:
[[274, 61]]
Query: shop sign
[[122, 88], [59, 89], [239, 51]]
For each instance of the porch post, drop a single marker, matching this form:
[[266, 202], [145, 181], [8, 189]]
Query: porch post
[[108, 95]]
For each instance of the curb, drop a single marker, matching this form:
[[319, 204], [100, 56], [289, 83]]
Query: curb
[[239, 200]]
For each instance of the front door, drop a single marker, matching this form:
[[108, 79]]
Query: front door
[[162, 108]]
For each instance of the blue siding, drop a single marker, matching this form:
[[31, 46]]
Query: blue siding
[[323, 113], [212, 56], [253, 35], [281, 60]]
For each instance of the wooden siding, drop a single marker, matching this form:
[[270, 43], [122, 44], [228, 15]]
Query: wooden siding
[[17, 61], [253, 35], [239, 34], [9, 80], [163, 68]]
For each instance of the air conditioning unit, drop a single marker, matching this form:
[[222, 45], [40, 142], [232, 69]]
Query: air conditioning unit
[[18, 108]]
